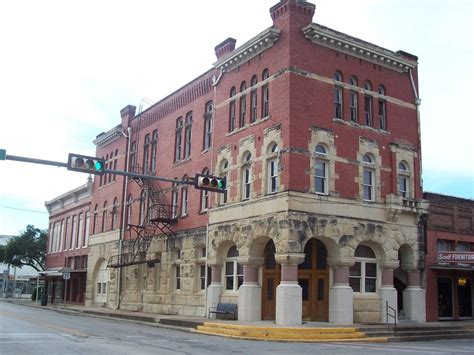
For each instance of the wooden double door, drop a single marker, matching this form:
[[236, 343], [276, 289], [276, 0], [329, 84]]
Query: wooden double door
[[313, 277]]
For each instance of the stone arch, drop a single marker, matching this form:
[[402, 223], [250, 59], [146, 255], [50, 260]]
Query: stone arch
[[332, 247], [407, 257], [257, 246], [100, 274], [222, 249]]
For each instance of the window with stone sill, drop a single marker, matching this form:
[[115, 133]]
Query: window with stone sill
[[265, 94], [246, 176], [188, 134], [224, 172], [204, 195], [146, 152], [321, 170], [184, 201], [368, 182], [154, 150], [178, 139], [403, 180], [232, 110], [368, 105], [207, 140], [202, 276], [338, 108], [272, 168], [253, 100], [382, 110], [242, 105], [234, 272], [363, 274], [174, 200], [353, 101]]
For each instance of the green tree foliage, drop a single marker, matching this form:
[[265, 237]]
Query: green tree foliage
[[29, 248]]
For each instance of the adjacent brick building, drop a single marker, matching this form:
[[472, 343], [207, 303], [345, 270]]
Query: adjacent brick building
[[449, 258], [317, 133], [68, 237]]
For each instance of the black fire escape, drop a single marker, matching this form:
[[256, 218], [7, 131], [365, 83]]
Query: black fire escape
[[156, 224]]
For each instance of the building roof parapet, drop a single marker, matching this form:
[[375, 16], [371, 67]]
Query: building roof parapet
[[106, 138], [72, 196], [399, 61], [248, 50]]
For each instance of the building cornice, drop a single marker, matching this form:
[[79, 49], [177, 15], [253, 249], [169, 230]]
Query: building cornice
[[106, 138], [248, 50], [358, 48]]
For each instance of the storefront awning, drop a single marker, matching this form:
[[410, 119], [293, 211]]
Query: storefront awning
[[452, 267]]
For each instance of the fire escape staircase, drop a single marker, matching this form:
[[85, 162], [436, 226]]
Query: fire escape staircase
[[156, 225]]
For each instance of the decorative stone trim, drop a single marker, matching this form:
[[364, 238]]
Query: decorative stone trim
[[290, 258], [357, 48], [248, 50], [105, 139]]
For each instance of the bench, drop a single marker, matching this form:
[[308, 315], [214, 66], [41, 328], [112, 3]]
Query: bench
[[224, 309]]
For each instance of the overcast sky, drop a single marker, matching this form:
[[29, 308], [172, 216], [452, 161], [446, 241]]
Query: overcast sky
[[67, 68]]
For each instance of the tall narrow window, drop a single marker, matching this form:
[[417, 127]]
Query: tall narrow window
[[87, 229], [178, 139], [353, 100], [177, 277], [146, 152], [234, 272], [129, 211], [114, 177], [382, 110], [187, 134], [265, 94], [246, 176], [368, 178], [104, 217], [272, 168], [321, 171], [403, 179], [96, 220], [253, 99], [115, 214], [133, 157], [368, 104], [142, 216], [204, 194], [80, 230], [174, 200], [233, 92], [363, 274], [66, 231], [224, 172], [184, 200], [243, 104], [207, 141], [73, 232], [338, 95], [154, 147]]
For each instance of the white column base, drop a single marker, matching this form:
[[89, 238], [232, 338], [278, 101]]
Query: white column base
[[388, 294], [341, 305], [250, 302], [213, 296], [414, 304], [289, 304]]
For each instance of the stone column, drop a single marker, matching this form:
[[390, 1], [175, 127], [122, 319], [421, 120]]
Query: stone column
[[341, 302], [214, 290], [250, 292], [414, 298], [388, 293], [289, 296]]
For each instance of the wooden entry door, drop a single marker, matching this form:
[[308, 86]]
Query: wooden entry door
[[271, 279], [313, 277]]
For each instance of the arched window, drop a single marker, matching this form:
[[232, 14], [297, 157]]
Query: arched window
[[338, 95], [368, 104], [243, 104], [363, 274], [353, 100], [143, 203], [114, 213], [224, 172], [253, 99], [272, 168], [234, 272], [265, 94], [188, 126], [368, 182], [96, 217], [246, 176], [154, 145], [205, 194], [133, 157], [146, 152], [233, 92], [174, 199], [209, 109], [104, 216], [382, 109], [404, 179], [184, 198], [321, 170], [178, 139], [87, 229], [129, 211]]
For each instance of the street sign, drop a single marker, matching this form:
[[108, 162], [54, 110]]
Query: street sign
[[66, 275]]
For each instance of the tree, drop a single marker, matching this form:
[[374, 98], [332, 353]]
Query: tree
[[29, 248]]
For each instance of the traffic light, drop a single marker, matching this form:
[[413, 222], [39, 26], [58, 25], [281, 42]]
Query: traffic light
[[210, 183], [85, 164]]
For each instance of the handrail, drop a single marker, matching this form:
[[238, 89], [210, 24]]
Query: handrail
[[392, 315]]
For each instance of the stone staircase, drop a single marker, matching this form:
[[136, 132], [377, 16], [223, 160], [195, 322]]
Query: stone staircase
[[328, 334]]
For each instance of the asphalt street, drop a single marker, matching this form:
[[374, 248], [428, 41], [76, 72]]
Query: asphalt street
[[28, 330]]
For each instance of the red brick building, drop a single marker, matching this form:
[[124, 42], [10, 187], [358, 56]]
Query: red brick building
[[449, 258], [317, 133], [68, 237]]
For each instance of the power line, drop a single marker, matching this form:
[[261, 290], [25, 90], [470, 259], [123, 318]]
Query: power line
[[22, 209]]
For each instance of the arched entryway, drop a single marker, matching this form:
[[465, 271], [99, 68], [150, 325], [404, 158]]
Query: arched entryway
[[270, 281], [313, 277]]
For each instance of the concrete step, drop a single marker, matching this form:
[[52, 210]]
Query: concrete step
[[186, 323]]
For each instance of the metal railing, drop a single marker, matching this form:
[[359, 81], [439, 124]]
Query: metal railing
[[392, 313]]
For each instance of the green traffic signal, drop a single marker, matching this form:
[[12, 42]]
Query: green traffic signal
[[99, 166]]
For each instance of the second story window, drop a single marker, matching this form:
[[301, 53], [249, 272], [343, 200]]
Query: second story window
[[382, 110], [246, 176], [154, 147], [272, 169], [184, 200], [243, 104], [187, 134], [146, 154], [338, 95], [178, 139], [265, 94], [253, 100], [233, 92], [403, 179], [207, 141], [368, 178], [204, 195], [133, 157], [104, 217], [115, 214], [321, 170], [368, 105], [224, 172], [353, 101], [174, 200], [94, 222]]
